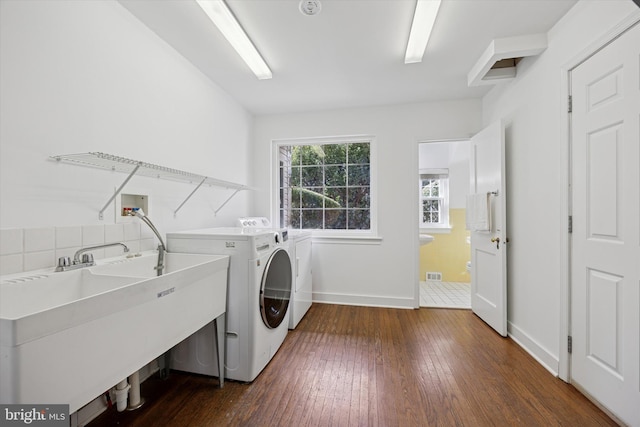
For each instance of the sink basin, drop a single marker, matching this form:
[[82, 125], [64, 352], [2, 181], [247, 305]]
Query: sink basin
[[66, 337], [29, 295], [425, 239], [144, 266]]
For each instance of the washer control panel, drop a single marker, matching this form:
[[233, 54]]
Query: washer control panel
[[254, 222], [279, 236]]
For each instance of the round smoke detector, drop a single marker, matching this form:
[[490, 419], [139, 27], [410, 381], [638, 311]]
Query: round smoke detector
[[310, 7]]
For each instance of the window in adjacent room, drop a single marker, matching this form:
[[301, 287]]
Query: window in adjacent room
[[325, 184], [434, 198]]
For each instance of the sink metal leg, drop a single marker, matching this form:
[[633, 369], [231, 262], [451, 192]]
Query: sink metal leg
[[165, 363], [220, 327]]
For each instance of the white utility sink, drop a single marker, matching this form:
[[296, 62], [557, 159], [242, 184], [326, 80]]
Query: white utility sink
[[425, 239], [66, 337], [144, 266], [26, 296]]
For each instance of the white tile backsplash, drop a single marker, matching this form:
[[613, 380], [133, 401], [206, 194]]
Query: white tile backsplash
[[11, 241], [67, 237], [147, 244], [39, 239], [70, 252], [133, 245], [38, 260], [146, 233], [99, 253], [132, 231], [113, 233], [10, 264], [92, 235], [114, 251], [26, 249]]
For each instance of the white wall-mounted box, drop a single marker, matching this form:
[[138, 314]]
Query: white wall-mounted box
[[126, 202]]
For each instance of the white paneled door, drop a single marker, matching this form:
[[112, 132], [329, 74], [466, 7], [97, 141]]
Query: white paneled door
[[488, 237], [605, 243]]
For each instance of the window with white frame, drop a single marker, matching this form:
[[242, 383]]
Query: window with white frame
[[434, 199], [325, 184]]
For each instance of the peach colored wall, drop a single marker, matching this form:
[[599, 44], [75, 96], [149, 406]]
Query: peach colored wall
[[448, 253]]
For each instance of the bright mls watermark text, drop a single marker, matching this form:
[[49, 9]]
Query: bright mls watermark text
[[34, 415]]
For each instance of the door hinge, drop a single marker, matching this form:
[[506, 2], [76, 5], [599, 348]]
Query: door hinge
[[570, 344], [570, 104], [570, 224]]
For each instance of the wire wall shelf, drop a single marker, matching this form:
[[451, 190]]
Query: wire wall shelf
[[136, 167]]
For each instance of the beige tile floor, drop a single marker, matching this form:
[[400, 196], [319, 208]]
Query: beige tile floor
[[445, 294]]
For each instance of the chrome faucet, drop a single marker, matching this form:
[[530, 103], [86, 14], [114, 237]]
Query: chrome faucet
[[162, 248], [66, 264]]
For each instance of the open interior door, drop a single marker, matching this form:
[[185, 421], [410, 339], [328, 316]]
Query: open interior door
[[486, 219]]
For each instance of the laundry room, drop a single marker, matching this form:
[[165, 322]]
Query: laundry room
[[142, 158]]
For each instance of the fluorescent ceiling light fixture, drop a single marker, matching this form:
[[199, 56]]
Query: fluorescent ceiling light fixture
[[219, 13], [421, 27]]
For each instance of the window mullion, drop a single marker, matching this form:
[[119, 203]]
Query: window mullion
[[324, 194]]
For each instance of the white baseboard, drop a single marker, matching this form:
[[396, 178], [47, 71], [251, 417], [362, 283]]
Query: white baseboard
[[531, 346], [363, 300]]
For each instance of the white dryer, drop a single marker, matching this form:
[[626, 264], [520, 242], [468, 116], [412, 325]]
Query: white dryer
[[302, 286], [259, 290]]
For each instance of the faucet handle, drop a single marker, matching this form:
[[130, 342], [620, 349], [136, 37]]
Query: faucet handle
[[64, 261], [87, 258]]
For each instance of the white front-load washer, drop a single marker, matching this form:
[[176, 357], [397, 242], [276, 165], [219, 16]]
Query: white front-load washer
[[298, 243], [259, 289]]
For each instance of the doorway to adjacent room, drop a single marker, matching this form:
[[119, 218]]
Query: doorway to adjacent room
[[444, 251]]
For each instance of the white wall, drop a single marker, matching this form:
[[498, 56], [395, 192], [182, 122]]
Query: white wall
[[382, 274], [452, 155], [80, 76], [537, 163]]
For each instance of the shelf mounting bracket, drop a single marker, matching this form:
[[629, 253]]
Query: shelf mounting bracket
[[175, 213], [115, 194], [225, 202]]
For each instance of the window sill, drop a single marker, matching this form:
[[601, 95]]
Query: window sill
[[436, 230], [346, 240]]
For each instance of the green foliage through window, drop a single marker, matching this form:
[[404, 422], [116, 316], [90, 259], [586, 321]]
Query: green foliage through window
[[325, 186]]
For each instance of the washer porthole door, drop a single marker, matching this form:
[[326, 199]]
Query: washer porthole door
[[275, 289]]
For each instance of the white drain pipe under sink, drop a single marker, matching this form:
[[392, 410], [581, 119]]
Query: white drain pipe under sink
[[122, 390], [135, 401], [129, 391]]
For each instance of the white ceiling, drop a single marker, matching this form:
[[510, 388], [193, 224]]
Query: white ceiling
[[351, 54]]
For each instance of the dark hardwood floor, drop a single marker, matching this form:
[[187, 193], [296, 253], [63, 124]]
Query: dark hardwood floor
[[359, 366]]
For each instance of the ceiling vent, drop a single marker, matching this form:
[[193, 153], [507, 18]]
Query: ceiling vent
[[310, 7], [500, 60]]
